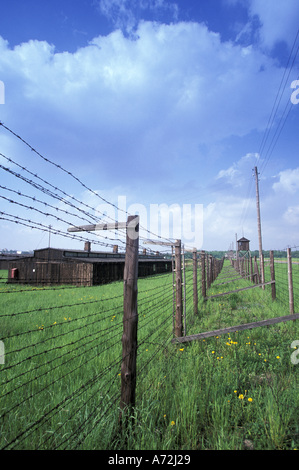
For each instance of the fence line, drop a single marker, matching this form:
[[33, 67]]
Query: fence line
[[200, 275], [244, 268], [68, 364]]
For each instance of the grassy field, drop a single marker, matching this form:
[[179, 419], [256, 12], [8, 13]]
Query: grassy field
[[60, 384]]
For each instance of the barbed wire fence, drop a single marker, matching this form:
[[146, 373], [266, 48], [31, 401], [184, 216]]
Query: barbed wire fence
[[65, 373], [63, 376]]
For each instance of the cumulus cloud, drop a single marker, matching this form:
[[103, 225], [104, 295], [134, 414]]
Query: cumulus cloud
[[238, 173], [134, 112], [162, 87], [269, 22], [279, 20], [222, 217], [125, 14], [291, 215], [288, 181]]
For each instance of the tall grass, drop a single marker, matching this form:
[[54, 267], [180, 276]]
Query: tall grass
[[60, 385]]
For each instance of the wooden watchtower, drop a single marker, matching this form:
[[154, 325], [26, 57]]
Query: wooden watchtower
[[243, 244]]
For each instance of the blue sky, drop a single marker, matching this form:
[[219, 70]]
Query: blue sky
[[158, 101]]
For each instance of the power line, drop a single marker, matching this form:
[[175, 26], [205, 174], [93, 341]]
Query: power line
[[76, 179], [280, 126], [277, 101]]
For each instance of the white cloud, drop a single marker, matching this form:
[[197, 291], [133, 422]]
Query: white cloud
[[158, 94], [234, 206], [125, 14], [239, 172], [288, 181], [133, 113], [279, 20], [228, 174], [221, 222], [270, 22], [291, 215]]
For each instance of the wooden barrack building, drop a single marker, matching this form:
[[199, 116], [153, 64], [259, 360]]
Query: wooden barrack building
[[52, 266]]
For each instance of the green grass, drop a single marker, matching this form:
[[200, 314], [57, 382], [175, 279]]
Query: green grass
[[60, 385]]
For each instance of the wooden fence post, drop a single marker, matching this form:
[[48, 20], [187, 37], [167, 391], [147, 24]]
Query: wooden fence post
[[272, 272], [203, 275], [173, 290], [256, 272], [130, 318], [211, 269], [208, 270], [178, 283], [290, 281], [262, 269], [195, 292], [184, 290]]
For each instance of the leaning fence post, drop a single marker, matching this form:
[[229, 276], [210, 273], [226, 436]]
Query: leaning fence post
[[178, 283], [130, 318], [195, 292], [290, 281]]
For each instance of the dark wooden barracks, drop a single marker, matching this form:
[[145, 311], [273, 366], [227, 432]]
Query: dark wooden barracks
[[52, 266]]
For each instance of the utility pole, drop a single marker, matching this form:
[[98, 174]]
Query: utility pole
[[259, 225]]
